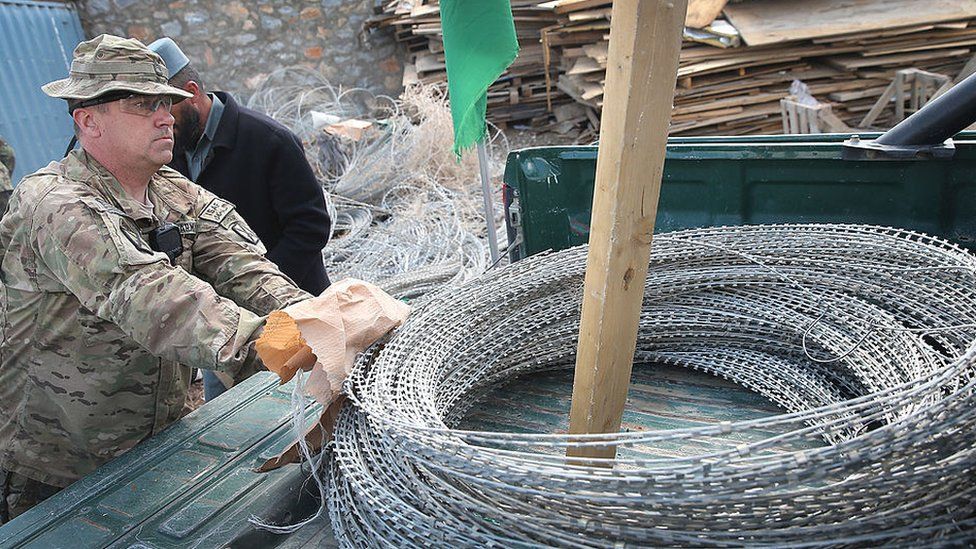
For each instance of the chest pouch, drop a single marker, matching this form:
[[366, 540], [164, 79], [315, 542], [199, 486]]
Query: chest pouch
[[166, 238]]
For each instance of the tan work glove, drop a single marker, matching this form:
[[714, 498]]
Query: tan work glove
[[322, 336]]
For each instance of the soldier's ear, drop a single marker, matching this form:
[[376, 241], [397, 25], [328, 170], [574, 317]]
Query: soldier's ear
[[86, 123]]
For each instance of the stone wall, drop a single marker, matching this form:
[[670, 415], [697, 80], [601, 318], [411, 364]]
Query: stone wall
[[234, 45]]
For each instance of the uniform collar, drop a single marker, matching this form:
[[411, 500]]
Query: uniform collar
[[85, 167]]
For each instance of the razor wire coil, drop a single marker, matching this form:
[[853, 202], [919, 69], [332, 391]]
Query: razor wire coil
[[863, 335], [399, 199], [892, 413]]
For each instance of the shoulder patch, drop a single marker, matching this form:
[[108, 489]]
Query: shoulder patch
[[245, 232], [216, 210]]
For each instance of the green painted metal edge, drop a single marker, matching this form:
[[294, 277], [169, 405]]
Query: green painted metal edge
[[193, 485], [748, 180]]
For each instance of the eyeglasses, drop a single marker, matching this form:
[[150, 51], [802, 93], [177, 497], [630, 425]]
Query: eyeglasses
[[132, 103], [145, 105]]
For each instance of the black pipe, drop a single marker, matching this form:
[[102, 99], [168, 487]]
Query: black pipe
[[947, 115]]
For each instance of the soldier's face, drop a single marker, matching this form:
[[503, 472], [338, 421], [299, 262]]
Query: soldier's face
[[138, 139]]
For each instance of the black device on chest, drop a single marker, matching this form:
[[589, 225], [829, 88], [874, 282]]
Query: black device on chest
[[166, 238]]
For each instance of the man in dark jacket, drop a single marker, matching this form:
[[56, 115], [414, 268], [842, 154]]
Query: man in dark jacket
[[258, 165]]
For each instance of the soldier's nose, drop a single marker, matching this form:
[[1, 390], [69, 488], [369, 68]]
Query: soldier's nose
[[164, 118]]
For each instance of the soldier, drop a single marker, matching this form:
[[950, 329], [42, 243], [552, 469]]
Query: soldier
[[6, 174], [119, 275], [256, 164]]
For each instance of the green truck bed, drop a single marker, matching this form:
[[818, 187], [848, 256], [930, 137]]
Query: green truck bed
[[190, 486], [194, 485], [713, 181]]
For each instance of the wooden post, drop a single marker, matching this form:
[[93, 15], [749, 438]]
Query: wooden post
[[645, 39]]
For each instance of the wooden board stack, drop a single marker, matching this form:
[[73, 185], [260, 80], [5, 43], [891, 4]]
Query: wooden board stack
[[733, 70], [518, 97]]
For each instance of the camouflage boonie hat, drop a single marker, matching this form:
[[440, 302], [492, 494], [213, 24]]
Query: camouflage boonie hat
[[110, 64]]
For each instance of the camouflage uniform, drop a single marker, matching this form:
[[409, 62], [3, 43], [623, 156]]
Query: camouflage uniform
[[98, 330], [6, 174], [20, 494]]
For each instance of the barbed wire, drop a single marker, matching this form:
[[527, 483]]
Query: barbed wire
[[864, 335], [399, 199], [884, 435]]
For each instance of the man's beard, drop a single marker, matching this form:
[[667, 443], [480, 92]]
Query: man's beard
[[189, 131]]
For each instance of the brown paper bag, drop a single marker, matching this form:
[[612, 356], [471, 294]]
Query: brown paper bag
[[322, 336]]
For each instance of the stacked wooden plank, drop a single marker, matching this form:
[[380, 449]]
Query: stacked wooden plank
[[519, 96], [733, 71]]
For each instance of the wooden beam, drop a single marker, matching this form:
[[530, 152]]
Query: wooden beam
[[879, 106], [645, 39]]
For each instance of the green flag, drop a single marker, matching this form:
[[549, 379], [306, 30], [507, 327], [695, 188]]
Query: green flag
[[479, 44]]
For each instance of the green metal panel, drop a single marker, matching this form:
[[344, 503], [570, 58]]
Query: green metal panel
[[193, 485], [748, 180]]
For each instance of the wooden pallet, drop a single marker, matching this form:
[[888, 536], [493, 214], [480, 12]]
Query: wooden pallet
[[914, 86], [801, 118], [848, 58]]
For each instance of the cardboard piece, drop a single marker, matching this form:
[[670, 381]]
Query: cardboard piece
[[352, 129]]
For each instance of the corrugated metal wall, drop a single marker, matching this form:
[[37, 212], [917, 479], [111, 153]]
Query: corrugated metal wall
[[36, 41]]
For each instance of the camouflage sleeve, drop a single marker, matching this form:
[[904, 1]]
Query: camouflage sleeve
[[7, 156], [229, 255], [88, 248], [6, 188], [5, 183]]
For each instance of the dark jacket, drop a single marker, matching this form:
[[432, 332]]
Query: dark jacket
[[259, 166]]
